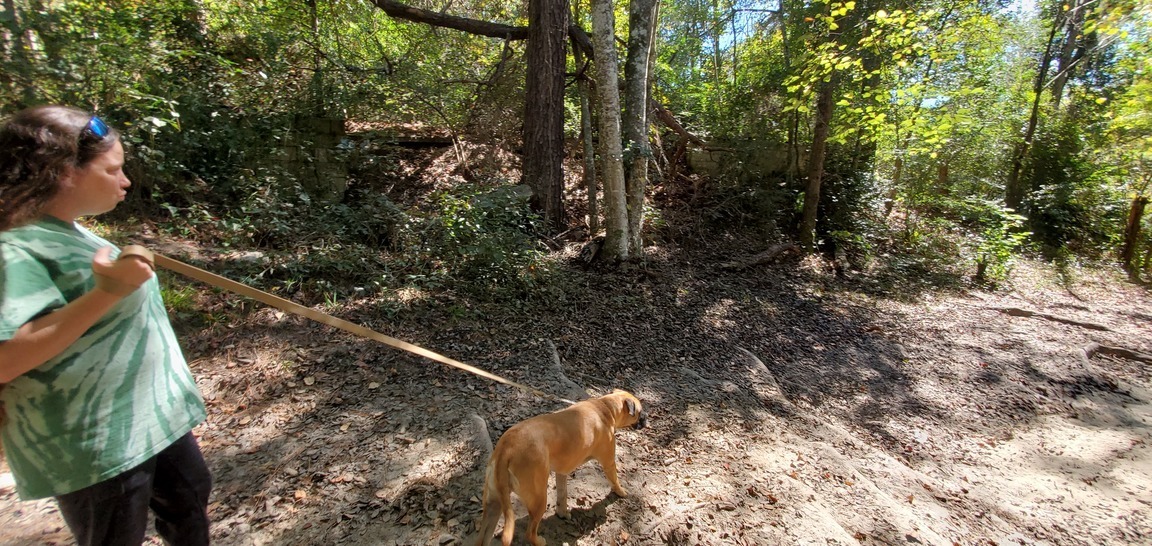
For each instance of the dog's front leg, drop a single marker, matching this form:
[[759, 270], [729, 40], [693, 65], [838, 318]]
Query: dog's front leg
[[607, 459], [562, 495], [610, 472]]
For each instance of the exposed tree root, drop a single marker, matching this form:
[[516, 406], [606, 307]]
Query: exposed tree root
[[1017, 312], [483, 438], [569, 389]]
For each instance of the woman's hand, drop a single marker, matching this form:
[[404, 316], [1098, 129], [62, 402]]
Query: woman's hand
[[120, 277], [44, 338]]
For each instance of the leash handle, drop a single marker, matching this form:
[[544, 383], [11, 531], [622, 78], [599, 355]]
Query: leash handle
[[137, 251], [140, 253]]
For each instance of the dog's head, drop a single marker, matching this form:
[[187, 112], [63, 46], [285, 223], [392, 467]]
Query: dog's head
[[631, 412]]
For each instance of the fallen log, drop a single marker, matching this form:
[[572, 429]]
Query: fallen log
[[1017, 312], [1092, 348], [671, 122], [767, 256]]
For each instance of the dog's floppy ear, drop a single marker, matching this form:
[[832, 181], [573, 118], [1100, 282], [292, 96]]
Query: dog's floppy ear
[[631, 406]]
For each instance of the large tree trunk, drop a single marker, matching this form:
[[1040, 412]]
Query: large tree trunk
[[641, 21], [544, 108], [612, 162], [544, 114], [816, 167]]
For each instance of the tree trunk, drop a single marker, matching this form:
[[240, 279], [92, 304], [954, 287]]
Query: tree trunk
[[1073, 25], [1014, 189], [544, 108], [816, 167], [715, 31], [641, 22], [316, 87], [586, 133], [611, 157], [894, 190], [943, 187], [14, 48], [1132, 235], [544, 114]]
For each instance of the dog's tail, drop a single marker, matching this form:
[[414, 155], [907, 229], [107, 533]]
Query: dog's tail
[[497, 502]]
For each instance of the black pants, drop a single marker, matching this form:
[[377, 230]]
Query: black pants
[[174, 484]]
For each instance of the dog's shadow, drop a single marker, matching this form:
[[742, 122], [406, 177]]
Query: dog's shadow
[[581, 521]]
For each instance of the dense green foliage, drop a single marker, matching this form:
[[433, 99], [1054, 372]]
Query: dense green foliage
[[936, 112], [931, 101]]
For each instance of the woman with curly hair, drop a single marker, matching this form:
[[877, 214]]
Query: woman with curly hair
[[99, 402]]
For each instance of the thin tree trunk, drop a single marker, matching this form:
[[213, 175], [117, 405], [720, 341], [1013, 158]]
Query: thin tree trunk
[[317, 84], [793, 124], [612, 162], [586, 134], [1132, 234], [635, 123], [894, 190], [544, 108], [943, 187], [1014, 189], [816, 167], [714, 32], [15, 48], [1073, 24]]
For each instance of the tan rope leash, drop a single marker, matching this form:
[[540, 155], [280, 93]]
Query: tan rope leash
[[137, 251]]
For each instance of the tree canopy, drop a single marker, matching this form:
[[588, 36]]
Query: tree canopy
[[845, 124]]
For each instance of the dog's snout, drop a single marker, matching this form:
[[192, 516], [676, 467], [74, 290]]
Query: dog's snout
[[642, 421]]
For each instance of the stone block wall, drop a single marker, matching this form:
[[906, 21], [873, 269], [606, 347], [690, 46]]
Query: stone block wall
[[312, 152], [743, 159]]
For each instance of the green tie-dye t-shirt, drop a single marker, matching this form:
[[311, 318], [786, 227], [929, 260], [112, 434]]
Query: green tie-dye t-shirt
[[113, 399]]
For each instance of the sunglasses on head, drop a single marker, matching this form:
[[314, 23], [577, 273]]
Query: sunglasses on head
[[95, 128]]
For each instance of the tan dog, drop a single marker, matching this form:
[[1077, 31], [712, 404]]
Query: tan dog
[[554, 442]]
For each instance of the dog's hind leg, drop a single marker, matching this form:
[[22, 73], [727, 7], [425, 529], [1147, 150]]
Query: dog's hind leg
[[535, 498], [536, 505], [497, 502], [509, 524]]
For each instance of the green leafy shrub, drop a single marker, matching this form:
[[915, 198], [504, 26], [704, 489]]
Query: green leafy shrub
[[486, 237], [997, 244]]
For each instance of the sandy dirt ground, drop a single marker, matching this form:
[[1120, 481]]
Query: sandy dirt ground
[[787, 407]]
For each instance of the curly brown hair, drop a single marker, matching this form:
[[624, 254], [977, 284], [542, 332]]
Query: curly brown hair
[[37, 147]]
